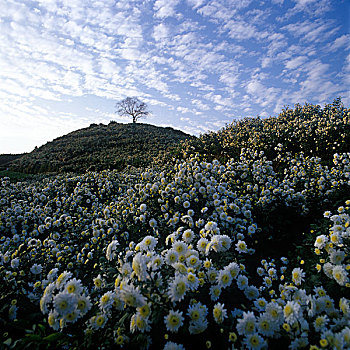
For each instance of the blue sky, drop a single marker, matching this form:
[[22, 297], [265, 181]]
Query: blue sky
[[198, 64]]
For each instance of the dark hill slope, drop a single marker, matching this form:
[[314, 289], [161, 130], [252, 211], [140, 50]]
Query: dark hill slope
[[6, 159], [98, 147]]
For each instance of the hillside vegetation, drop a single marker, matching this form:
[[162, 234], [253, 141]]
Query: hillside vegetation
[[310, 129], [100, 147], [6, 159], [247, 252]]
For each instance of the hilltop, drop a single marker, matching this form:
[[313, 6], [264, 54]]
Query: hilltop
[[100, 147]]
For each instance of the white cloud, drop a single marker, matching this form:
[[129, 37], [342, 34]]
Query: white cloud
[[160, 32], [263, 95], [195, 3], [296, 62], [317, 31], [199, 104], [340, 42], [311, 7], [165, 8]]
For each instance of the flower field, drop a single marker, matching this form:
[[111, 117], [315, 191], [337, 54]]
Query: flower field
[[244, 254]]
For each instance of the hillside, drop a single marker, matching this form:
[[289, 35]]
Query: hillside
[[6, 159], [310, 129], [99, 147]]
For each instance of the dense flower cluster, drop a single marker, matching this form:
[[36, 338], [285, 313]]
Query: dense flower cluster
[[310, 129], [155, 258]]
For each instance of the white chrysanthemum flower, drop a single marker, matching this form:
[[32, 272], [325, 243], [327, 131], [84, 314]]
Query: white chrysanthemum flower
[[344, 306], [275, 312], [246, 325], [44, 301], [192, 281], [98, 321], [214, 292], [153, 223], [241, 247], [106, 301], [328, 269], [193, 261], [320, 323], [336, 238], [254, 342], [53, 320], [211, 226], [36, 269], [73, 286], [62, 279], [15, 263], [272, 272], [52, 274], [72, 317], [181, 248], [251, 292], [65, 303], [139, 266], [186, 204], [83, 304], [233, 268], [242, 282], [111, 251], [139, 323], [197, 311], [337, 256], [188, 235], [219, 313], [266, 325], [199, 326], [224, 278], [260, 304], [143, 207], [225, 242], [173, 321], [171, 257], [148, 243], [340, 275], [173, 346], [132, 296], [291, 312], [156, 262], [298, 275], [202, 244], [321, 241], [177, 288]]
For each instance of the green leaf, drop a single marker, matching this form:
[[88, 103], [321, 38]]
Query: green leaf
[[35, 337], [8, 342], [53, 337], [41, 328]]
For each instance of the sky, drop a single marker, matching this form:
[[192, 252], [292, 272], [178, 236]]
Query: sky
[[197, 64]]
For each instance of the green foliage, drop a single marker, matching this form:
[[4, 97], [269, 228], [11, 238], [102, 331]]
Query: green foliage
[[310, 129]]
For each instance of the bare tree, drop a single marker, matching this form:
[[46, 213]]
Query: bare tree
[[132, 107]]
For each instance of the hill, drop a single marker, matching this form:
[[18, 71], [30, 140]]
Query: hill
[[99, 147], [6, 159]]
